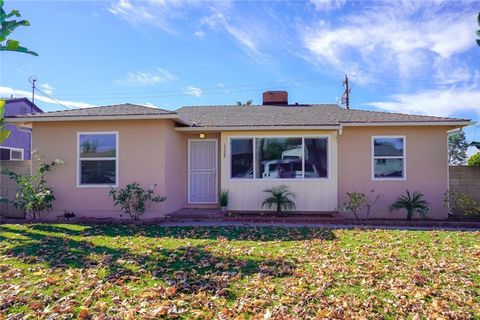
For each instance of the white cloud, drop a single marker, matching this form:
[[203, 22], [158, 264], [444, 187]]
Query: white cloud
[[159, 13], [48, 89], [437, 102], [150, 105], [193, 91], [199, 34], [327, 5], [146, 78], [6, 91], [406, 36], [247, 37]]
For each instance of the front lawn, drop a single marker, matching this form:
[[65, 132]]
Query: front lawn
[[127, 272]]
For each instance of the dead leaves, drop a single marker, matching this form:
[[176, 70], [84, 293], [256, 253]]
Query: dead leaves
[[105, 272]]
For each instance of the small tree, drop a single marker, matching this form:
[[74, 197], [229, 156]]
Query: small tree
[[134, 200], [462, 203], [247, 103], [7, 28], [279, 197], [457, 147], [474, 160], [358, 202], [33, 195], [412, 203]]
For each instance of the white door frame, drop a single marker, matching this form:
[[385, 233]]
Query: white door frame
[[216, 171]]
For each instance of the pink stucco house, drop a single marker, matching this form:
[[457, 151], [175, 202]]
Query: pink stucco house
[[320, 151]]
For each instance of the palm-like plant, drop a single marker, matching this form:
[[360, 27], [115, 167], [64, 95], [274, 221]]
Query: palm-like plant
[[412, 203], [280, 196]]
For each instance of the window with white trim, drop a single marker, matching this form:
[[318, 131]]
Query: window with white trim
[[97, 158], [278, 157], [15, 154], [388, 158]]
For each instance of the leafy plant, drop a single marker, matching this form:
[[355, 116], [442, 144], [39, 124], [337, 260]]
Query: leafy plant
[[33, 195], [280, 196], [474, 160], [412, 203], [7, 28], [478, 31], [359, 202], [462, 203], [134, 200], [4, 134], [68, 214], [223, 198], [457, 147]]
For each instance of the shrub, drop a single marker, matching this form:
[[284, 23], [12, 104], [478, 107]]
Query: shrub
[[412, 203], [474, 160], [359, 202], [280, 197], [134, 200], [33, 195], [223, 198], [462, 203]]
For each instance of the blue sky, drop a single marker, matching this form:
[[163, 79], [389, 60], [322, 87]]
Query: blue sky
[[406, 56]]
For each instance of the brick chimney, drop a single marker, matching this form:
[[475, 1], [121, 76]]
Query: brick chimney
[[279, 98]]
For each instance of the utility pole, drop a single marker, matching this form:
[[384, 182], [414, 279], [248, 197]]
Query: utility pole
[[32, 80], [346, 93]]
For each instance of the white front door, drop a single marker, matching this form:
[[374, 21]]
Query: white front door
[[202, 171]]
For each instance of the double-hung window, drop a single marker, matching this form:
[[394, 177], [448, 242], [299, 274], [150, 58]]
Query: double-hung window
[[279, 158], [388, 158], [97, 159]]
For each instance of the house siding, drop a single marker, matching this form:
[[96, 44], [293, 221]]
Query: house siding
[[311, 194], [426, 167], [142, 158], [19, 139]]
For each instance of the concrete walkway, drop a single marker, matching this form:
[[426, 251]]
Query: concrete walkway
[[217, 223]]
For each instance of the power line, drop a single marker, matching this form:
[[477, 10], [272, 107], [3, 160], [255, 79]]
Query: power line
[[54, 100], [223, 88]]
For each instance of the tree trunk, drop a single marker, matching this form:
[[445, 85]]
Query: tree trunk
[[409, 216]]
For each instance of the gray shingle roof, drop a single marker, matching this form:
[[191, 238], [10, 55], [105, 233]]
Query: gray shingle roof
[[126, 109], [242, 116], [297, 115]]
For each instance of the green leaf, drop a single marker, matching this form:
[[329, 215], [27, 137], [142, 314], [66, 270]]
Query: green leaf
[[12, 45], [2, 109], [4, 134]]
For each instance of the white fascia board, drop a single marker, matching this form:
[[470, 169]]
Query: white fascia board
[[254, 128]]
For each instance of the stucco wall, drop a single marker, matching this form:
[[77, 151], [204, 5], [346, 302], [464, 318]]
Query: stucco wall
[[311, 194], [426, 166], [143, 156]]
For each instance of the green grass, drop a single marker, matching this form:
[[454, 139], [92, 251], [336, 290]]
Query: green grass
[[79, 271]]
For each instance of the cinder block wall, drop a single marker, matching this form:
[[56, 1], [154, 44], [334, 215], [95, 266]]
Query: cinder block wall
[[465, 179], [8, 187]]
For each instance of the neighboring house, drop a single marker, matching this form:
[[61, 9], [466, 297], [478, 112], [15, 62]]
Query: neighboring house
[[18, 144], [320, 151]]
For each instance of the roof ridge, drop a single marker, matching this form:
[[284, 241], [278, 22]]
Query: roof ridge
[[261, 105], [112, 105]]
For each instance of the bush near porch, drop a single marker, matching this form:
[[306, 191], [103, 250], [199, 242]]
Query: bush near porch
[[140, 272]]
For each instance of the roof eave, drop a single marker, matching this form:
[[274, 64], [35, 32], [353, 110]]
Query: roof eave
[[461, 123]]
